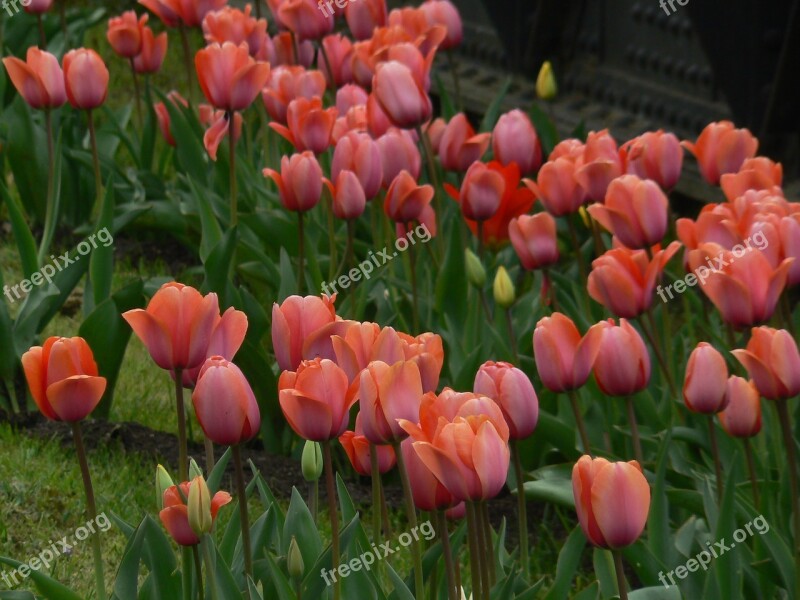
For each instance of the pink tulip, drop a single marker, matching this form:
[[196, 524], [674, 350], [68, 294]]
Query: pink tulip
[[39, 79], [219, 126], [85, 78], [304, 19], [293, 324], [742, 414], [401, 96], [350, 95], [427, 351], [349, 199], [511, 389], [309, 125], [299, 182], [125, 33], [721, 149], [758, 173], [600, 165], [655, 155], [338, 52], [364, 16], [514, 140], [444, 13], [557, 187], [460, 146], [357, 448], [359, 153], [288, 83], [230, 78], [363, 343], [427, 491], [622, 366], [773, 362], [399, 153], [405, 200], [37, 7], [154, 49], [175, 514], [534, 240], [233, 25], [706, 382], [227, 337], [481, 192]]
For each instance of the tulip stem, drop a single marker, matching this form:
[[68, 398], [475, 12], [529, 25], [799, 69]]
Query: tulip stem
[[138, 95], [91, 509], [210, 460], [332, 241], [331, 80], [42, 36], [522, 509], [50, 216], [232, 160], [183, 453], [211, 574], [475, 556], [327, 458], [751, 468], [411, 513], [573, 398], [198, 569], [483, 512], [653, 338], [412, 261], [512, 337], [433, 176], [241, 490], [573, 234], [447, 551], [623, 590], [301, 279], [376, 493], [98, 178], [788, 440], [712, 436], [637, 443], [187, 58], [480, 240]]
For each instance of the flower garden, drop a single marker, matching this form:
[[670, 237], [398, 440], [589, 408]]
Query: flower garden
[[496, 359]]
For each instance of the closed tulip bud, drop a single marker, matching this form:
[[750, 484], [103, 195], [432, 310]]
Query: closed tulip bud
[[229, 77], [482, 192], [85, 78], [742, 414], [400, 95], [163, 483], [405, 200], [511, 389], [175, 512], [612, 501], [349, 199], [546, 87], [399, 152], [622, 366], [199, 505], [37, 7], [154, 49], [125, 33], [773, 362], [311, 462], [534, 239], [721, 149], [294, 561], [655, 155], [299, 181], [504, 293], [194, 469], [476, 273], [704, 389], [515, 140]]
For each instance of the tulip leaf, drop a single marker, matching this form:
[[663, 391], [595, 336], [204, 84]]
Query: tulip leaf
[[214, 479], [288, 278], [401, 591], [279, 581], [313, 583], [22, 233], [101, 260], [656, 593], [189, 151], [159, 557], [557, 491], [218, 269], [226, 582], [17, 596], [126, 585], [54, 201], [50, 588], [545, 128], [300, 524], [568, 560], [451, 280], [603, 562], [493, 112], [591, 592], [658, 527]]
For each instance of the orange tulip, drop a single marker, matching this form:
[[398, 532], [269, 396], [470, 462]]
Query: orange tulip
[[363, 343], [175, 514], [314, 400], [514, 140], [294, 322], [349, 198], [534, 240], [612, 500], [39, 79], [339, 50], [742, 414], [177, 325], [299, 182], [444, 13], [63, 378], [405, 200], [350, 95], [282, 51], [773, 362], [356, 446], [288, 83], [563, 358], [309, 125], [219, 126], [304, 19], [400, 95], [758, 173], [721, 149], [188, 12], [655, 155], [85, 78], [364, 16], [233, 25], [557, 187], [359, 153], [428, 352], [227, 337], [599, 166], [230, 78], [622, 366], [154, 49], [125, 33], [460, 147], [511, 389], [706, 382]]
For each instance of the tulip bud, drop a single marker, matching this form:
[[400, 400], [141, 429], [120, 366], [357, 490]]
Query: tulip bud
[[163, 483], [504, 294], [546, 87], [294, 560], [199, 507], [476, 274], [312, 461], [194, 469]]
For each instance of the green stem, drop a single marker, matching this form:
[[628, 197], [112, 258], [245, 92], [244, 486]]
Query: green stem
[[331, 241], [187, 59], [232, 160], [313, 499], [210, 460], [183, 453], [474, 553], [98, 178], [210, 566], [512, 338], [444, 535], [414, 292], [50, 217], [573, 398], [327, 458], [186, 573], [623, 590], [712, 436], [376, 493], [411, 513], [791, 457], [91, 510], [483, 511], [241, 491], [198, 570], [637, 443], [652, 337], [301, 278], [138, 95], [522, 509], [751, 468], [433, 176]]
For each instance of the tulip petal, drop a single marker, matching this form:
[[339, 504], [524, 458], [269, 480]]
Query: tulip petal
[[621, 503], [73, 399]]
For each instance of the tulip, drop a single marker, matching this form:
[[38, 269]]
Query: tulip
[[163, 483], [363, 343], [364, 16], [563, 358], [622, 366], [288, 83], [635, 211], [350, 95], [503, 288], [427, 491], [427, 351], [177, 325], [226, 339], [546, 87], [154, 49], [163, 117], [481, 192], [166, 10], [706, 382], [294, 323], [294, 561], [557, 187], [399, 153], [175, 512], [400, 95], [299, 182], [229, 77], [224, 403], [38, 79], [63, 378], [281, 50], [721, 149], [309, 125], [356, 446], [311, 462], [219, 127], [460, 146], [349, 199], [199, 507], [183, 12], [336, 51], [773, 362], [759, 173], [655, 155], [85, 78], [600, 165], [444, 13], [37, 7], [476, 272], [304, 19], [359, 153], [125, 33], [534, 240], [742, 414], [315, 401], [405, 200], [233, 25], [623, 280], [511, 389], [515, 140], [612, 500]]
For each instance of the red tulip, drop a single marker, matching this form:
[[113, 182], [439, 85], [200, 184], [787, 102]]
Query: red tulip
[[359, 153], [230, 78], [175, 514], [288, 83], [635, 211], [405, 200], [622, 366], [534, 240], [177, 325], [511, 389], [623, 280], [304, 19], [364, 16], [564, 359], [299, 182], [233, 25], [399, 153], [773, 362], [85, 78], [655, 155], [293, 324], [39, 79], [612, 500], [310, 125], [125, 33], [63, 378], [460, 146], [314, 400], [37, 7], [349, 199], [154, 49], [721, 149], [557, 188], [600, 165], [758, 173], [356, 446], [742, 414], [514, 140], [338, 52], [444, 13], [400, 95], [706, 382]]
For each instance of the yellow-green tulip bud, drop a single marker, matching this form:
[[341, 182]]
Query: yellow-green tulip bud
[[163, 483], [311, 462], [476, 274], [546, 87], [294, 560], [504, 294], [199, 507], [194, 470]]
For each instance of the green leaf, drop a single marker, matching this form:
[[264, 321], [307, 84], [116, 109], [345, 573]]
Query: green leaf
[[300, 524], [545, 127], [568, 560], [50, 588], [658, 527], [126, 584], [211, 231], [493, 112], [448, 111], [551, 490], [214, 479], [603, 562], [656, 593], [54, 200], [22, 233]]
